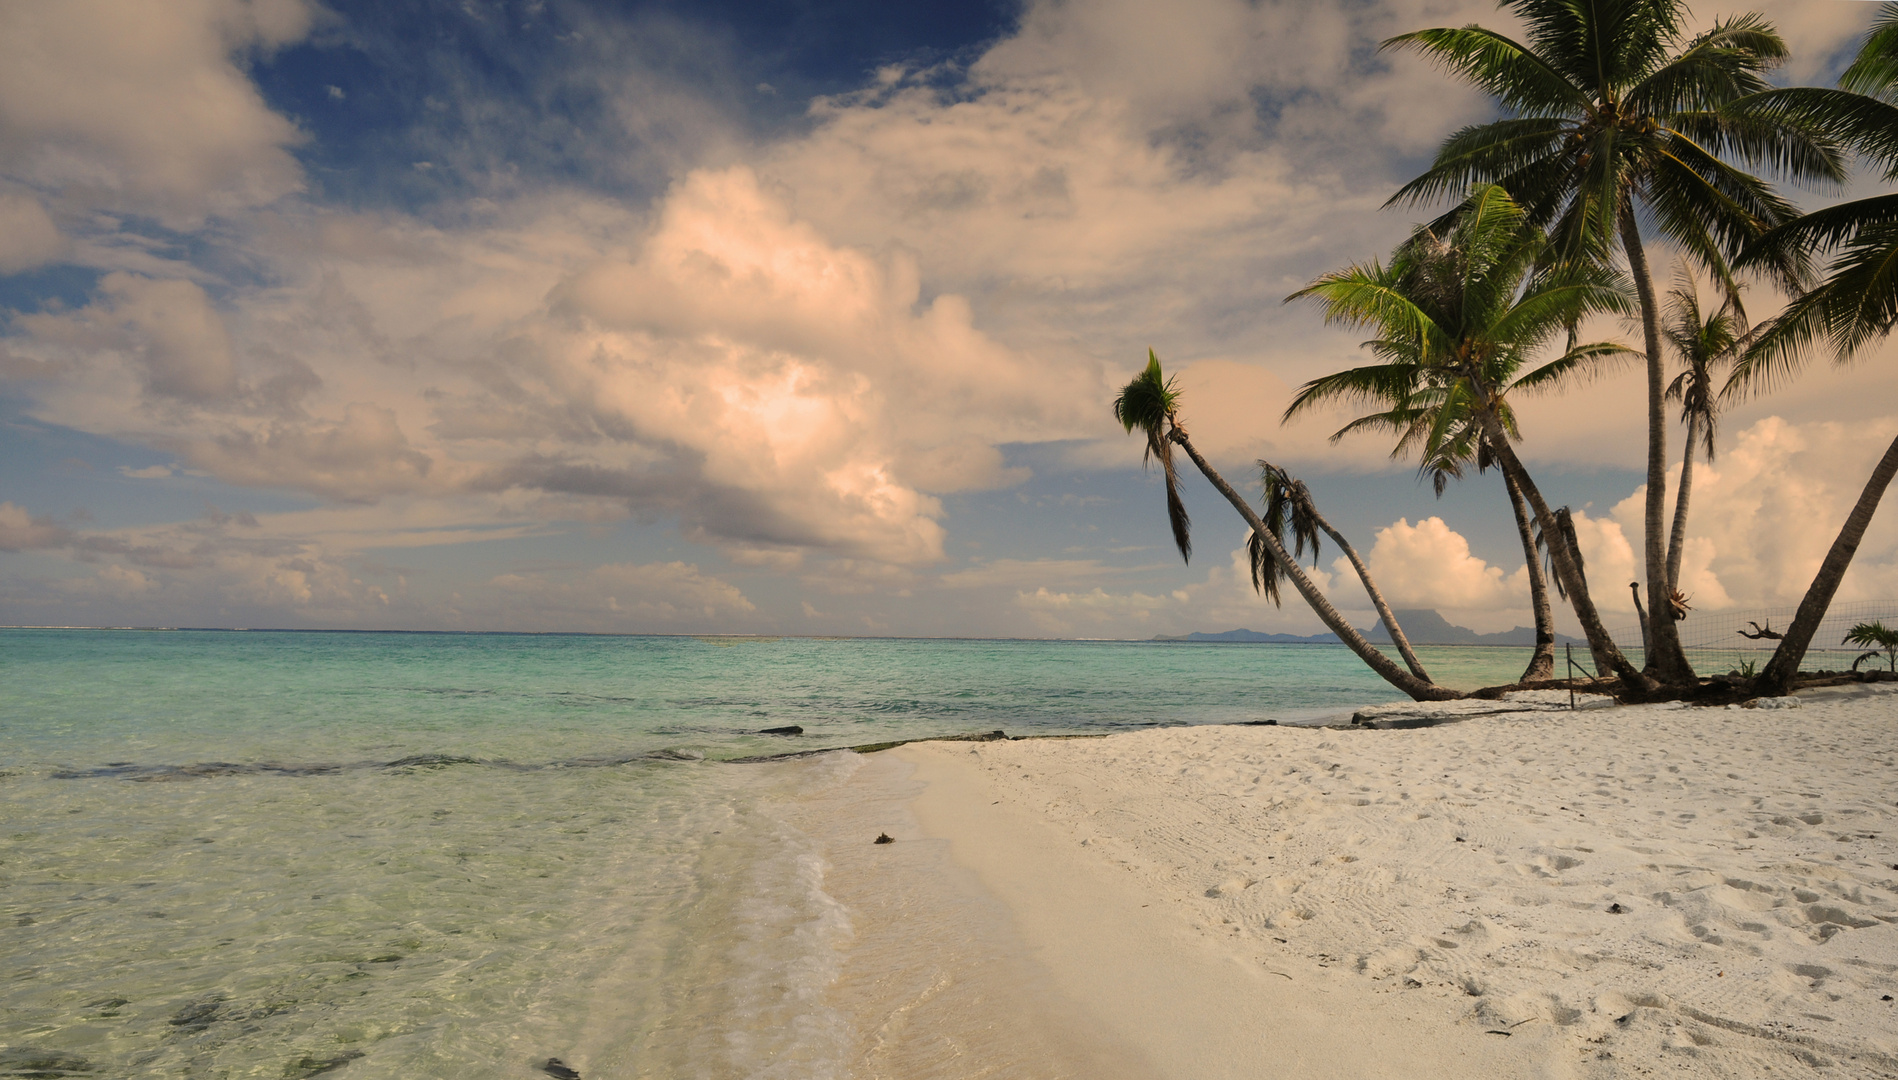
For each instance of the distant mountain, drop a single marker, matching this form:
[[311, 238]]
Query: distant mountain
[[1254, 635], [1422, 626], [1425, 627]]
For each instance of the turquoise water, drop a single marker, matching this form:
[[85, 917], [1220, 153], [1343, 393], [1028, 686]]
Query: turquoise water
[[429, 855]]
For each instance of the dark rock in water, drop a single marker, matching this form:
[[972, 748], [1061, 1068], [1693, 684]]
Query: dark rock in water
[[198, 1014], [26, 1061], [884, 838], [559, 1069], [791, 729], [312, 1066]]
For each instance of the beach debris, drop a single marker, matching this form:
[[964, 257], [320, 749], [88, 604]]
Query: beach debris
[[1617, 909], [884, 838], [559, 1069], [788, 729]]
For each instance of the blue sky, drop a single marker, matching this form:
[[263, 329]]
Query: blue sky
[[762, 318]]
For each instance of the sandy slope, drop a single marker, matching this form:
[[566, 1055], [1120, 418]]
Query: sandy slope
[[1626, 891]]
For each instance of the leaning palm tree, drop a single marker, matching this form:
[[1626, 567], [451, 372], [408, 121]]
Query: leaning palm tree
[[1458, 317], [1151, 403], [1289, 504], [1614, 110], [1702, 341], [1854, 304]]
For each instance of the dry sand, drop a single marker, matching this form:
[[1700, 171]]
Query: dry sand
[[1613, 892]]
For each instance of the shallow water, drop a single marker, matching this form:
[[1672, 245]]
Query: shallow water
[[292, 854]]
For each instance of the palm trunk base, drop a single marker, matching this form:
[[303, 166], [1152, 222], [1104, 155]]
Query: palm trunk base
[[1542, 665]]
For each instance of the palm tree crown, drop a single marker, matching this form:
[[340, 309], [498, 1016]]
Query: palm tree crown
[[1612, 102], [1151, 403], [1703, 340], [1458, 317]]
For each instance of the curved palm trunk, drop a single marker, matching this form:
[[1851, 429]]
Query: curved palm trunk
[[1777, 678], [1418, 689], [1608, 656], [1677, 538], [1542, 661], [1641, 614], [1377, 596], [1665, 660]]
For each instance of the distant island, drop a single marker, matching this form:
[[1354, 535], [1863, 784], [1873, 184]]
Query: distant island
[[1422, 626]]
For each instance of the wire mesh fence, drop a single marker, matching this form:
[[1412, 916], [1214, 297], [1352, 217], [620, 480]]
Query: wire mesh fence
[[1741, 640]]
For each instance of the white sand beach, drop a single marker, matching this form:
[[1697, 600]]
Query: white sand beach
[[1628, 891]]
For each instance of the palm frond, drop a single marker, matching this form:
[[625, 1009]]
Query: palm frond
[[1496, 152], [1518, 77], [1150, 402], [1875, 71]]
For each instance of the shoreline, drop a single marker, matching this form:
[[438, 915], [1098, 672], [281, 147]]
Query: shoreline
[[1709, 889]]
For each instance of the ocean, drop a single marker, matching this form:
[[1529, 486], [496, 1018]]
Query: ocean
[[289, 854]]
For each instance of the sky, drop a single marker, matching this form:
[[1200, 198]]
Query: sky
[[775, 317]]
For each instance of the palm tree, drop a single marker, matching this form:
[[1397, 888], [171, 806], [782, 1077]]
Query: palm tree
[[1854, 304], [1458, 317], [1701, 342], [1613, 107], [1875, 636], [1150, 402], [1288, 502]]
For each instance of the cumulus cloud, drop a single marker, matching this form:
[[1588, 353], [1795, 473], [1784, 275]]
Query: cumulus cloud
[[808, 377], [1765, 513], [1429, 565], [123, 105]]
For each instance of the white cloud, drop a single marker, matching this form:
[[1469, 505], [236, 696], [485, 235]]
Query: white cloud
[[28, 237], [1765, 513], [167, 332], [644, 596], [131, 106], [1429, 565], [20, 531]]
